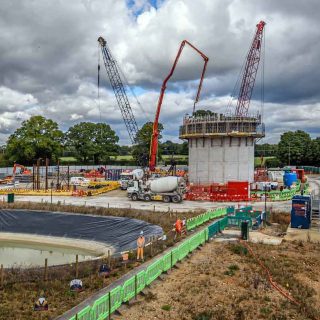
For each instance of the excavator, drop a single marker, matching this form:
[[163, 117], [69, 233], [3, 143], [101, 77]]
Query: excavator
[[23, 171]]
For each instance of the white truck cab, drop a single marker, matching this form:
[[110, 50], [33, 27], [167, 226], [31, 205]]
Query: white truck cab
[[79, 181]]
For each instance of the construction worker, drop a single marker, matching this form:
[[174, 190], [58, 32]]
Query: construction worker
[[178, 228], [140, 245]]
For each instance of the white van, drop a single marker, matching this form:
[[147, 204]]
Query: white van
[[79, 181]]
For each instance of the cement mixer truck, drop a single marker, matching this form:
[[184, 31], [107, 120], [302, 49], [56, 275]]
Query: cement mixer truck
[[164, 189]]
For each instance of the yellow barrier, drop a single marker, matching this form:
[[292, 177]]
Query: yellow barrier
[[112, 185]]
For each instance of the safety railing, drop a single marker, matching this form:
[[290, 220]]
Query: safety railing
[[205, 217], [111, 301]]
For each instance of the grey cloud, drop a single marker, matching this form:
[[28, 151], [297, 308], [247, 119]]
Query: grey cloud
[[49, 53]]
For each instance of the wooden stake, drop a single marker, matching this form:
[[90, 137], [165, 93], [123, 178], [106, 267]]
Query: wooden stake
[[2, 277], [109, 259], [46, 269], [77, 266]]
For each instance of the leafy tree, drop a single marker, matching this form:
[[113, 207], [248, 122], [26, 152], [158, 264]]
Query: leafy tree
[[141, 150], [37, 137], [201, 113], [266, 150], [90, 140], [125, 150], [295, 148], [184, 149]]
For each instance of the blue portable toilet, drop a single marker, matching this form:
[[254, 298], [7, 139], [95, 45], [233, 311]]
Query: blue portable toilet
[[289, 178], [301, 212]]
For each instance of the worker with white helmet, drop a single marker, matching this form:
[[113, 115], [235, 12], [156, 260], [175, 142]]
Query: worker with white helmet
[[140, 245]]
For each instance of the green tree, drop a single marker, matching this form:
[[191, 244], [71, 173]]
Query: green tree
[[295, 148], [141, 150], [202, 113], [90, 140], [37, 137], [266, 150]]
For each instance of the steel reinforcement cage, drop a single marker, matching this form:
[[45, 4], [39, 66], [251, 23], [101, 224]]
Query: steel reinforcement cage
[[221, 125]]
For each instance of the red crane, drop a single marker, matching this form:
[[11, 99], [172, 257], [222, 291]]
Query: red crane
[[155, 132], [250, 72]]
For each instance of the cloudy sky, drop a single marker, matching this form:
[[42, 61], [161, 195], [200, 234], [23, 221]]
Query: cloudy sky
[[49, 57]]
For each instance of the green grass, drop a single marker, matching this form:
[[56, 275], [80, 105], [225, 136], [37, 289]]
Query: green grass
[[257, 160], [68, 159]]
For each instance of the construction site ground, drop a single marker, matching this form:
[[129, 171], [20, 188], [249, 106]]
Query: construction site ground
[[223, 281], [118, 199]]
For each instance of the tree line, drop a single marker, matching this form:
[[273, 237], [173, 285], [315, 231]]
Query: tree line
[[88, 142], [294, 148], [98, 143]]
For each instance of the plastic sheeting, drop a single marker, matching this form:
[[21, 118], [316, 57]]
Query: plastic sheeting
[[119, 232]]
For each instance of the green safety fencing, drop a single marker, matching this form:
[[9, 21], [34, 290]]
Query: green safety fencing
[[284, 195], [153, 271], [141, 281], [129, 289], [100, 309], [115, 298], [167, 261], [111, 301], [209, 215], [236, 221], [310, 169]]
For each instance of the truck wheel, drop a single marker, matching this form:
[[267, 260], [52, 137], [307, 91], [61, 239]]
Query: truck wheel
[[176, 199], [134, 197], [147, 197], [166, 199]]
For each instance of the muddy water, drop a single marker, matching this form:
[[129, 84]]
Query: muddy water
[[31, 255]]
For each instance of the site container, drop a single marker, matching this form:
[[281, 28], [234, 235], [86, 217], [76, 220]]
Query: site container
[[301, 212]]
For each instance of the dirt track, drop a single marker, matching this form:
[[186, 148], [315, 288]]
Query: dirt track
[[219, 283]]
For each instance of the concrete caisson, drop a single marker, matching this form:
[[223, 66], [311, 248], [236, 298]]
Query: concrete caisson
[[221, 148]]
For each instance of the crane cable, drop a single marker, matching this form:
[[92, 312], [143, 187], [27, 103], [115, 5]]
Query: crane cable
[[125, 80], [237, 85], [262, 73], [99, 106]]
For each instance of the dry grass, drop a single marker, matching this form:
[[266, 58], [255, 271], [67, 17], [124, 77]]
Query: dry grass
[[201, 289]]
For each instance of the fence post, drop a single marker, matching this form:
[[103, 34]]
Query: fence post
[[135, 286], [109, 259], [151, 251], [77, 266], [46, 269], [2, 277]]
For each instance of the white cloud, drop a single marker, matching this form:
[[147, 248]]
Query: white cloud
[[49, 61]]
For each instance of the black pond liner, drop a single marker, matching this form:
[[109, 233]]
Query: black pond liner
[[119, 232]]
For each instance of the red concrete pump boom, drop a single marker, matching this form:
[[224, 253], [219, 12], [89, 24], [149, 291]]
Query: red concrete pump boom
[[250, 72], [155, 133]]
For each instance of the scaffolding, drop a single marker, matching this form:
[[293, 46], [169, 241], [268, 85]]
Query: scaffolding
[[215, 125]]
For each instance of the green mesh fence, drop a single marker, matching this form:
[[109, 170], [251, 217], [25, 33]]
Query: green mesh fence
[[115, 298], [166, 261], [129, 289], [153, 271], [141, 281], [100, 309], [205, 217]]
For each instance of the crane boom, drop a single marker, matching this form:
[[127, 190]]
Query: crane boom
[[119, 90], [155, 132], [250, 72]]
